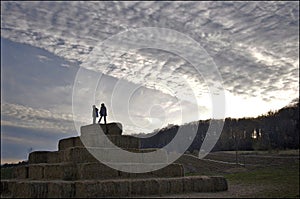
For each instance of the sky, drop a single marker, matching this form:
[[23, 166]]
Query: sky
[[45, 45]]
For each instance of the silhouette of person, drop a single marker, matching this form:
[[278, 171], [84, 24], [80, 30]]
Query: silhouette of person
[[94, 114], [103, 113]]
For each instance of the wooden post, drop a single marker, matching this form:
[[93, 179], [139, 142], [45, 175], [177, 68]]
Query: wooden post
[[236, 147]]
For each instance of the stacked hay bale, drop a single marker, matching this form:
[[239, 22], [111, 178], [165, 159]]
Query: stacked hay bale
[[73, 171]]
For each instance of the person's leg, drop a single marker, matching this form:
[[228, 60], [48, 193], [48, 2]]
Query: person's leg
[[94, 120], [105, 125], [100, 119]]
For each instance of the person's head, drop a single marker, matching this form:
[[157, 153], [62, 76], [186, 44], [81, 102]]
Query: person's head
[[102, 104], [94, 106]]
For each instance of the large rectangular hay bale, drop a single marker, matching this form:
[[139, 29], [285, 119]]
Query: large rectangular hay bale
[[151, 187], [164, 186], [95, 171], [137, 187], [20, 172], [43, 157], [27, 189], [220, 183], [125, 141], [109, 129], [202, 184], [36, 171], [176, 185], [60, 171], [77, 155], [188, 185], [7, 187], [88, 189], [69, 142], [21, 190], [122, 188], [107, 141], [53, 157], [61, 189], [108, 188], [38, 157]]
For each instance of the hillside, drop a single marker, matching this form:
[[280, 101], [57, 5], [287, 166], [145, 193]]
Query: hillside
[[274, 130]]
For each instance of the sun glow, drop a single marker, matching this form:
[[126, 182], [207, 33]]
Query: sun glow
[[239, 106]]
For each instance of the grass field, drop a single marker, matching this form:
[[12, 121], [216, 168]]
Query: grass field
[[274, 182], [267, 174]]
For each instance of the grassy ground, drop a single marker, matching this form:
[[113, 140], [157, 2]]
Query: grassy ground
[[267, 174], [276, 182]]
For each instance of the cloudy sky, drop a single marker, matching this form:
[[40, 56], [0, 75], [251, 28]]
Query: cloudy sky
[[45, 46]]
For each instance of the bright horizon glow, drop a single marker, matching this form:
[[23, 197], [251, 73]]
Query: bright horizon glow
[[240, 107]]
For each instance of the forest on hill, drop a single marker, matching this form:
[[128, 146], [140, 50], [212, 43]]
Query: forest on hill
[[274, 130]]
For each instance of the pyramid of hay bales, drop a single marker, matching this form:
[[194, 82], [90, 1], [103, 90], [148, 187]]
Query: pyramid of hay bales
[[73, 171]]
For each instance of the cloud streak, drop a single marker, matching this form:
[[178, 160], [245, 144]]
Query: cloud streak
[[27, 117]]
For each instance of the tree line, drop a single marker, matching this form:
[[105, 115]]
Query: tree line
[[274, 130]]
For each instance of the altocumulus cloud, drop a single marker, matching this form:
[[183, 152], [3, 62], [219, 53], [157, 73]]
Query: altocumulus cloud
[[252, 43]]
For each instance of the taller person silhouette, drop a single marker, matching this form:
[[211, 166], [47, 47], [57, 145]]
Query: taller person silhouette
[[103, 113]]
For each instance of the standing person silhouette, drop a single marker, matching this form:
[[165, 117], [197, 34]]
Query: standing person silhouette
[[103, 113], [94, 114]]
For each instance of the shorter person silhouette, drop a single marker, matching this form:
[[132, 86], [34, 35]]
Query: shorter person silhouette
[[95, 114], [103, 113]]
